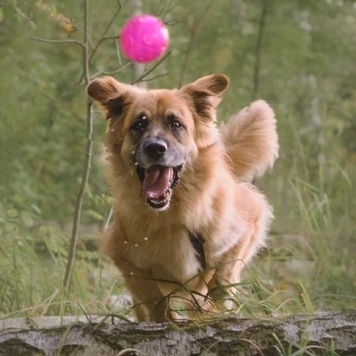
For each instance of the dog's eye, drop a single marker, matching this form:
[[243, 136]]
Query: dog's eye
[[140, 124], [174, 123]]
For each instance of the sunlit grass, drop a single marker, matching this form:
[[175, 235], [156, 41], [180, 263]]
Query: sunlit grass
[[33, 267], [307, 267]]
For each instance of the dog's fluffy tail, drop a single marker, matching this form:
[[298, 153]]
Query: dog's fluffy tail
[[251, 140]]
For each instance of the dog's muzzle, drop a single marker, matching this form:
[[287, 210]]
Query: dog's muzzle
[[158, 179]]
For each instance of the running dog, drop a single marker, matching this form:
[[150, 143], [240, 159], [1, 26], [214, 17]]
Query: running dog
[[187, 219]]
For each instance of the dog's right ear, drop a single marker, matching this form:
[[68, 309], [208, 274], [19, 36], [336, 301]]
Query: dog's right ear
[[112, 95]]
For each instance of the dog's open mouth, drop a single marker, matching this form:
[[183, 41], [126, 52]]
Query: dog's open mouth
[[158, 183]]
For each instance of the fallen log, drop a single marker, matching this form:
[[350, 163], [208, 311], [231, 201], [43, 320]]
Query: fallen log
[[321, 333]]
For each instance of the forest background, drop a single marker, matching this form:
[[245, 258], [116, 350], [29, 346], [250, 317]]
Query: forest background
[[299, 55]]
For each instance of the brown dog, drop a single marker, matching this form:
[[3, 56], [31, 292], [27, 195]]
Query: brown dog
[[184, 226]]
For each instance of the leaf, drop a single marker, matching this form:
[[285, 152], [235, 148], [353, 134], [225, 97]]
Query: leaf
[[27, 219], [95, 215], [36, 209], [12, 213]]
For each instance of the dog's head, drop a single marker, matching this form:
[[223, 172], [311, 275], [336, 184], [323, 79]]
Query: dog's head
[[159, 132]]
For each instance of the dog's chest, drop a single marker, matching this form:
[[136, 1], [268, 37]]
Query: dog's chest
[[169, 250]]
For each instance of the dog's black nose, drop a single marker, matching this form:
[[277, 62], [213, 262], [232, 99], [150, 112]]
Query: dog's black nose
[[155, 148]]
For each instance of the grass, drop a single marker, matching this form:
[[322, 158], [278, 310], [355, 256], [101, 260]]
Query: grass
[[300, 272], [308, 266], [33, 268]]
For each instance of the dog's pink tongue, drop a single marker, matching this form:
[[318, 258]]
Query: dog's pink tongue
[[156, 182]]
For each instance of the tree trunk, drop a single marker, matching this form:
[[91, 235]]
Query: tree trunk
[[322, 333], [138, 68]]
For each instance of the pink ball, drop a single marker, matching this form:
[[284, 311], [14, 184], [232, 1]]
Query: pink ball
[[144, 38]]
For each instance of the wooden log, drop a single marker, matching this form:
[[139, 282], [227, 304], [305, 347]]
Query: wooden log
[[319, 334]]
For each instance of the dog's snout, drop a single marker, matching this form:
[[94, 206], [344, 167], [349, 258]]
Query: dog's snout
[[155, 148]]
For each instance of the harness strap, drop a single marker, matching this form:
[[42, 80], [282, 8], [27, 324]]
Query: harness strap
[[197, 242]]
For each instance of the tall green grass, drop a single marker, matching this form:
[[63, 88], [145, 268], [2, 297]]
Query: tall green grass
[[313, 197], [33, 266], [309, 264]]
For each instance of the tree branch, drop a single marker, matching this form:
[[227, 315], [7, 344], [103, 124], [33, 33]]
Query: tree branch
[[193, 38], [128, 64], [155, 77], [88, 155], [145, 74], [105, 32], [103, 37], [86, 60], [257, 66], [58, 41]]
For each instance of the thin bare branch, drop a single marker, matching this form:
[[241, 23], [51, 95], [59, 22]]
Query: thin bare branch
[[141, 78], [138, 69], [195, 32], [88, 155], [170, 7], [45, 40], [125, 66], [155, 77], [103, 38], [258, 50]]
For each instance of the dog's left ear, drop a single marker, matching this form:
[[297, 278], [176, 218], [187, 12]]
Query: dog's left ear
[[206, 92]]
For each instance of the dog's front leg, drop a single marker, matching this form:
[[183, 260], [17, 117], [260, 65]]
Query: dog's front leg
[[149, 302], [235, 259]]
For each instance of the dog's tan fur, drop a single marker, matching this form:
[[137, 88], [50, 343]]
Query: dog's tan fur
[[151, 247]]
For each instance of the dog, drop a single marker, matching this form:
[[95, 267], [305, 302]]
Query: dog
[[186, 217]]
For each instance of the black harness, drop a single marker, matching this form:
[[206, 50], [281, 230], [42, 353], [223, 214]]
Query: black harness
[[197, 242]]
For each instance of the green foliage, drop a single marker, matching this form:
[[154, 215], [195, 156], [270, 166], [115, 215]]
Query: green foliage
[[33, 266], [306, 71]]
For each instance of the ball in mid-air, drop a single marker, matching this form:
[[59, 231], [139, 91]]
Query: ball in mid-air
[[144, 38]]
